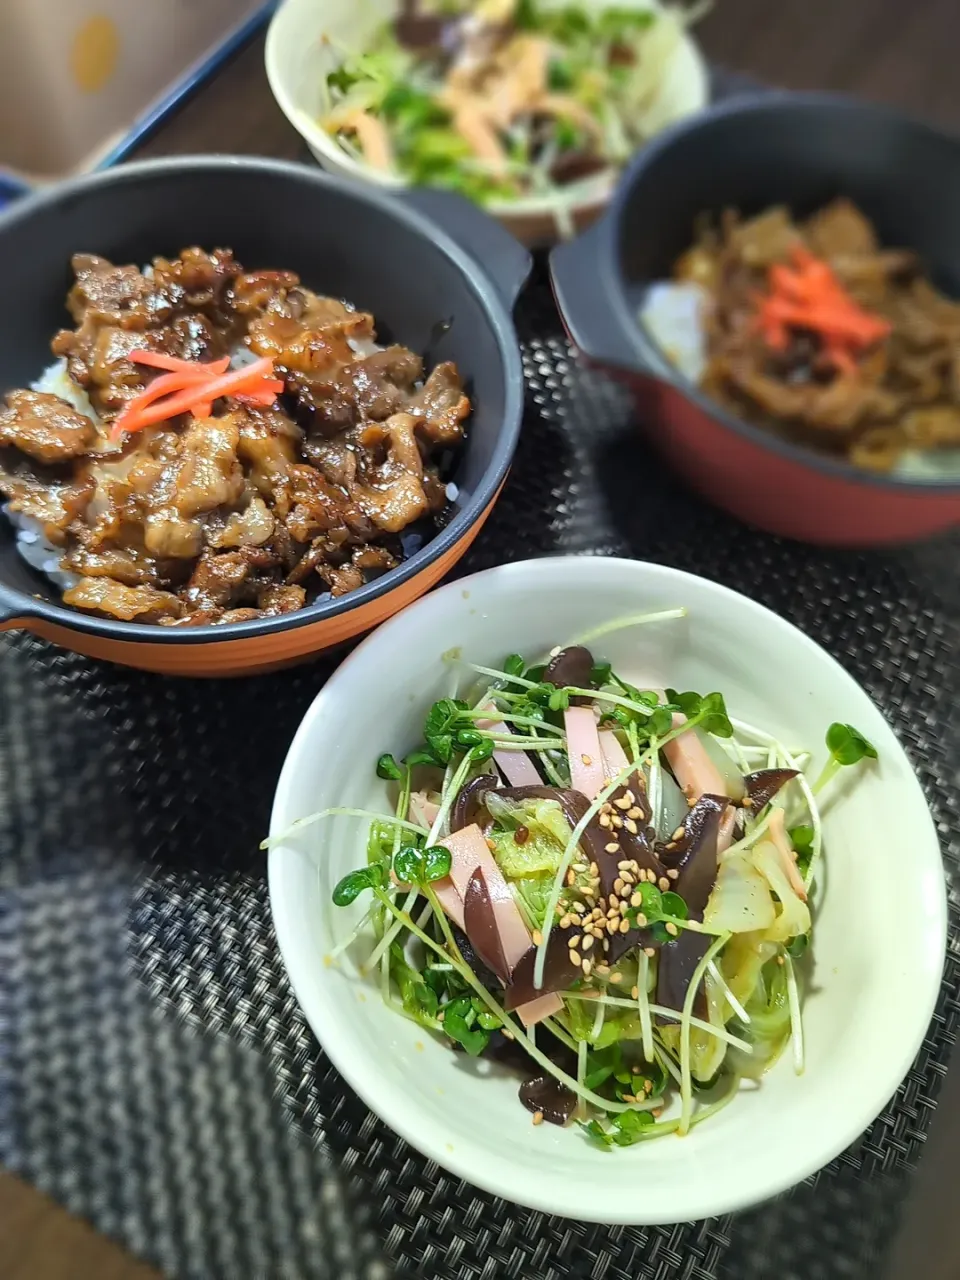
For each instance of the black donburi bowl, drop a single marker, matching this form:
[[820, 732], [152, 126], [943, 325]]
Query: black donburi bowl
[[437, 274]]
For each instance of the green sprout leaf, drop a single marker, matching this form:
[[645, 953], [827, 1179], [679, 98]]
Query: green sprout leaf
[[441, 725], [559, 700], [482, 751], [352, 885], [560, 75], [714, 718], [671, 904], [459, 1018], [802, 840], [422, 756], [596, 1133], [709, 711], [797, 946], [436, 863], [622, 1131], [342, 79], [388, 769], [847, 745], [408, 865], [661, 722], [514, 665], [601, 674]]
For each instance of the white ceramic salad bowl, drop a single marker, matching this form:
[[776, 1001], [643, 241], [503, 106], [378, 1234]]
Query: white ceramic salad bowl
[[301, 51], [874, 966]]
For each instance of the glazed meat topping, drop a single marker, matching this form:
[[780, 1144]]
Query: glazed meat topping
[[897, 395], [253, 510]]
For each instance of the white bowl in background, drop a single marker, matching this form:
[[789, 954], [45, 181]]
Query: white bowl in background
[[880, 922], [299, 56]]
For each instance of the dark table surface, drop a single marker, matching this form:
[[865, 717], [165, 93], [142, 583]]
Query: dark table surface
[[885, 49]]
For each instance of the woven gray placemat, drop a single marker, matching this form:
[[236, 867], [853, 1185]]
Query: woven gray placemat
[[156, 1075]]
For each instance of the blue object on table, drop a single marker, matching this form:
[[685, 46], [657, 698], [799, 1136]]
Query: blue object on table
[[10, 188], [155, 116]]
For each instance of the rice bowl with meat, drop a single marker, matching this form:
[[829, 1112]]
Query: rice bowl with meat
[[815, 331], [215, 445]]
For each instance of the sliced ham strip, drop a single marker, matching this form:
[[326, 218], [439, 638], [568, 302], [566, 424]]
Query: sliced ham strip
[[447, 896], [423, 811], [699, 776], [725, 834], [535, 1011], [516, 766], [587, 770], [692, 767], [778, 834], [468, 851], [614, 757], [449, 899]]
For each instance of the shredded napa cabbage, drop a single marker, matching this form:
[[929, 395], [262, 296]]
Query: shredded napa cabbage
[[740, 901], [548, 833], [793, 917]]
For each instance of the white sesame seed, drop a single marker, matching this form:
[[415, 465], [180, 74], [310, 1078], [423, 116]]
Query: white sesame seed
[[587, 760], [616, 977], [678, 834], [575, 959], [604, 820], [538, 1117], [671, 928], [588, 942], [631, 826], [649, 952], [663, 884], [635, 993], [636, 900], [623, 802], [673, 874], [634, 813], [618, 887], [573, 942], [624, 926], [537, 937], [612, 847]]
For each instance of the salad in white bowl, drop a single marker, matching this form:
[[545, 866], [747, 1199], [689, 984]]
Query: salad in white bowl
[[602, 861], [528, 107]]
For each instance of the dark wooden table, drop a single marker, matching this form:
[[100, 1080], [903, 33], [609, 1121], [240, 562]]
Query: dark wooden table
[[890, 50]]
